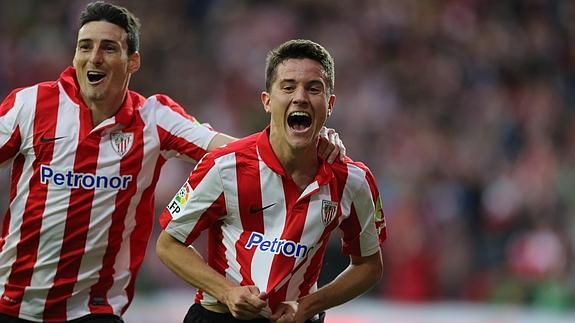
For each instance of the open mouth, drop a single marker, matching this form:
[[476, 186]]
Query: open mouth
[[95, 77], [299, 120]]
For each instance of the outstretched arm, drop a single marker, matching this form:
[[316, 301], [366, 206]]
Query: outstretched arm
[[219, 140], [361, 274]]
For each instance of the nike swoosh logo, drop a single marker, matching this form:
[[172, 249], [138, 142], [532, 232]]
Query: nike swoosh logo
[[256, 210], [45, 140]]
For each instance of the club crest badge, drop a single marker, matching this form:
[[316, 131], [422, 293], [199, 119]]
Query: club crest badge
[[328, 211], [121, 142]]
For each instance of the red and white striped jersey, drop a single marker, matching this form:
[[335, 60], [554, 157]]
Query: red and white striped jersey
[[262, 227], [81, 199]]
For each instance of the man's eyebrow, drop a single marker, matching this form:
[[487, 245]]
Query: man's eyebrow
[[105, 41]]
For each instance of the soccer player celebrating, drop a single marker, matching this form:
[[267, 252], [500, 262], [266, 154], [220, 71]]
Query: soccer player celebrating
[[86, 156], [270, 204]]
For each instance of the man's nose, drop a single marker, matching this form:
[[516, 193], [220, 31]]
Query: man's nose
[[96, 57], [300, 96]]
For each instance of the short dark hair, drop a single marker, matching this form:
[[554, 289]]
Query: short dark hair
[[300, 48], [120, 16]]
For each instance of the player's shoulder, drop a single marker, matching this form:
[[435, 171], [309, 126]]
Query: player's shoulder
[[138, 100], [160, 103], [22, 93], [354, 170], [245, 147]]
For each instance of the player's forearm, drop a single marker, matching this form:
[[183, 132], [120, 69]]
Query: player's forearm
[[189, 265], [355, 280], [219, 140]]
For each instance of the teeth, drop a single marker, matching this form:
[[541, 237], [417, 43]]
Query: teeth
[[299, 114]]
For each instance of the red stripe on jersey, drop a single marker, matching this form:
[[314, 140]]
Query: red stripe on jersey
[[350, 243], [139, 238], [208, 219], [129, 165], [11, 147], [17, 168], [249, 196], [27, 249], [8, 102], [75, 231], [296, 215], [215, 245], [312, 272], [169, 141]]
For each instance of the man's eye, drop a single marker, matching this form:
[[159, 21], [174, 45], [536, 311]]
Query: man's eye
[[288, 88]]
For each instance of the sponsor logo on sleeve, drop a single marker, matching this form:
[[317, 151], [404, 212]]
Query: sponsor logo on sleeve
[[328, 211], [181, 199]]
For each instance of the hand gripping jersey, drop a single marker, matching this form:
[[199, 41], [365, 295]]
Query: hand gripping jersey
[[81, 199], [261, 227]]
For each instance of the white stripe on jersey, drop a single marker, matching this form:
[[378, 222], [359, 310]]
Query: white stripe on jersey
[[26, 97], [273, 225], [364, 202], [230, 236]]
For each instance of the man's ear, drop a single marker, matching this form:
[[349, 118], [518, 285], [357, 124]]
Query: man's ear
[[330, 104], [265, 97], [134, 62]]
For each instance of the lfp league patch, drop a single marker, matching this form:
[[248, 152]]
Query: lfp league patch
[[179, 201]]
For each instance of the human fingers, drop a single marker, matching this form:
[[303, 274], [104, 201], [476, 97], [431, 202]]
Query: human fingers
[[283, 314], [323, 145], [329, 146], [339, 149], [244, 303]]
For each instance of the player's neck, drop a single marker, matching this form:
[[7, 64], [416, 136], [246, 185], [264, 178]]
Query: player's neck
[[300, 165], [104, 109]]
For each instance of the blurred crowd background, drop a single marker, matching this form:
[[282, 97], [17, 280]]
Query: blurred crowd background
[[463, 109]]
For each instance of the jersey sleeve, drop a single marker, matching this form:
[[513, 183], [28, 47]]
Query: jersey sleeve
[[10, 136], [180, 134], [364, 230], [198, 204]]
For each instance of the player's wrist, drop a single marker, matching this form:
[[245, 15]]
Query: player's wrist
[[224, 295], [304, 308]]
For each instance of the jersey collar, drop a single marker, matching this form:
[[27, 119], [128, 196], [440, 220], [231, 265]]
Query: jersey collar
[[323, 176]]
